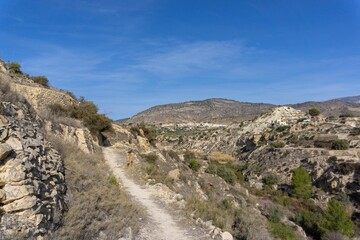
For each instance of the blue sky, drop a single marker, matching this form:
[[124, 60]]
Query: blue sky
[[129, 55]]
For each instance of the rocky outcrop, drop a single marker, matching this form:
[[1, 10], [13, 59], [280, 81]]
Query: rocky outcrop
[[37, 95], [32, 184], [40, 98], [77, 135]]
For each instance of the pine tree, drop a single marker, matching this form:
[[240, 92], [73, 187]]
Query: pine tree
[[336, 219], [302, 183]]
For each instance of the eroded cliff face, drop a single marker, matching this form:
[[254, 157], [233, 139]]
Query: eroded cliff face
[[32, 186]]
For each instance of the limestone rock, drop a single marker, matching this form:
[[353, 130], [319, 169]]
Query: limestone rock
[[2, 195], [5, 150], [226, 236], [4, 133], [32, 183], [15, 144], [174, 174]]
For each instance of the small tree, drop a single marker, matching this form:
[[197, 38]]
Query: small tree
[[194, 165], [341, 144], [14, 67], [337, 220], [41, 80], [302, 183], [271, 179], [314, 112]]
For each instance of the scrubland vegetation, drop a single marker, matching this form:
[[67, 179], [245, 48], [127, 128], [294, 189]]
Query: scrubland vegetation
[[95, 201], [85, 111]]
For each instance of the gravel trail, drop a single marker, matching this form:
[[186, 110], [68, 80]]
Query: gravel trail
[[161, 224]]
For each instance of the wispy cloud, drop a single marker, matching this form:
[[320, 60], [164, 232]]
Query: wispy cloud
[[172, 71], [193, 57]]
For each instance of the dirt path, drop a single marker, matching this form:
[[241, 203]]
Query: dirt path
[[161, 225]]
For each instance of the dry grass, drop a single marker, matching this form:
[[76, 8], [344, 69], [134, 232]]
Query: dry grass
[[95, 203], [222, 213], [47, 115], [220, 157]]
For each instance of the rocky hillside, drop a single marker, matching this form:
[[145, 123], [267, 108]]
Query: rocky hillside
[[266, 152], [333, 108], [211, 110], [51, 169], [226, 111], [36, 94]]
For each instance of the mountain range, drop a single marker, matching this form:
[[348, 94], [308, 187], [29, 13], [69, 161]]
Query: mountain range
[[218, 110]]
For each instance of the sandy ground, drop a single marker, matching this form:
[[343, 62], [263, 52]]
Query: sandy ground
[[162, 224]]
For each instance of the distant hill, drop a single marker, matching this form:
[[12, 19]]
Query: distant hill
[[328, 108], [218, 110], [353, 99], [214, 110], [121, 120]]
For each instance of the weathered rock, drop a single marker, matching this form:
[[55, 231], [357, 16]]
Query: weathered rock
[[2, 195], [78, 135], [226, 236], [15, 144], [32, 184], [5, 150], [4, 133]]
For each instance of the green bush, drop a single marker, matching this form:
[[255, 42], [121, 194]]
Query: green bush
[[227, 174], [211, 169], [114, 181], [301, 182], [355, 131], [336, 219], [238, 170], [312, 222], [341, 144], [87, 112], [282, 128], [149, 132], [150, 157], [271, 179], [14, 67], [57, 109], [314, 112], [230, 173], [194, 165], [42, 80], [333, 219], [277, 144], [274, 214], [282, 231]]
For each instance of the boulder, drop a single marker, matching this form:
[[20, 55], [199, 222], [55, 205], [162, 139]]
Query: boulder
[[5, 150], [226, 236]]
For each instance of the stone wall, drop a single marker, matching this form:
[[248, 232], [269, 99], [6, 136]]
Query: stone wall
[[32, 186]]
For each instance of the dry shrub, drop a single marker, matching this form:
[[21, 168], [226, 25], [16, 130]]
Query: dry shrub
[[46, 115], [7, 95], [221, 213], [94, 203], [87, 112], [220, 157]]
